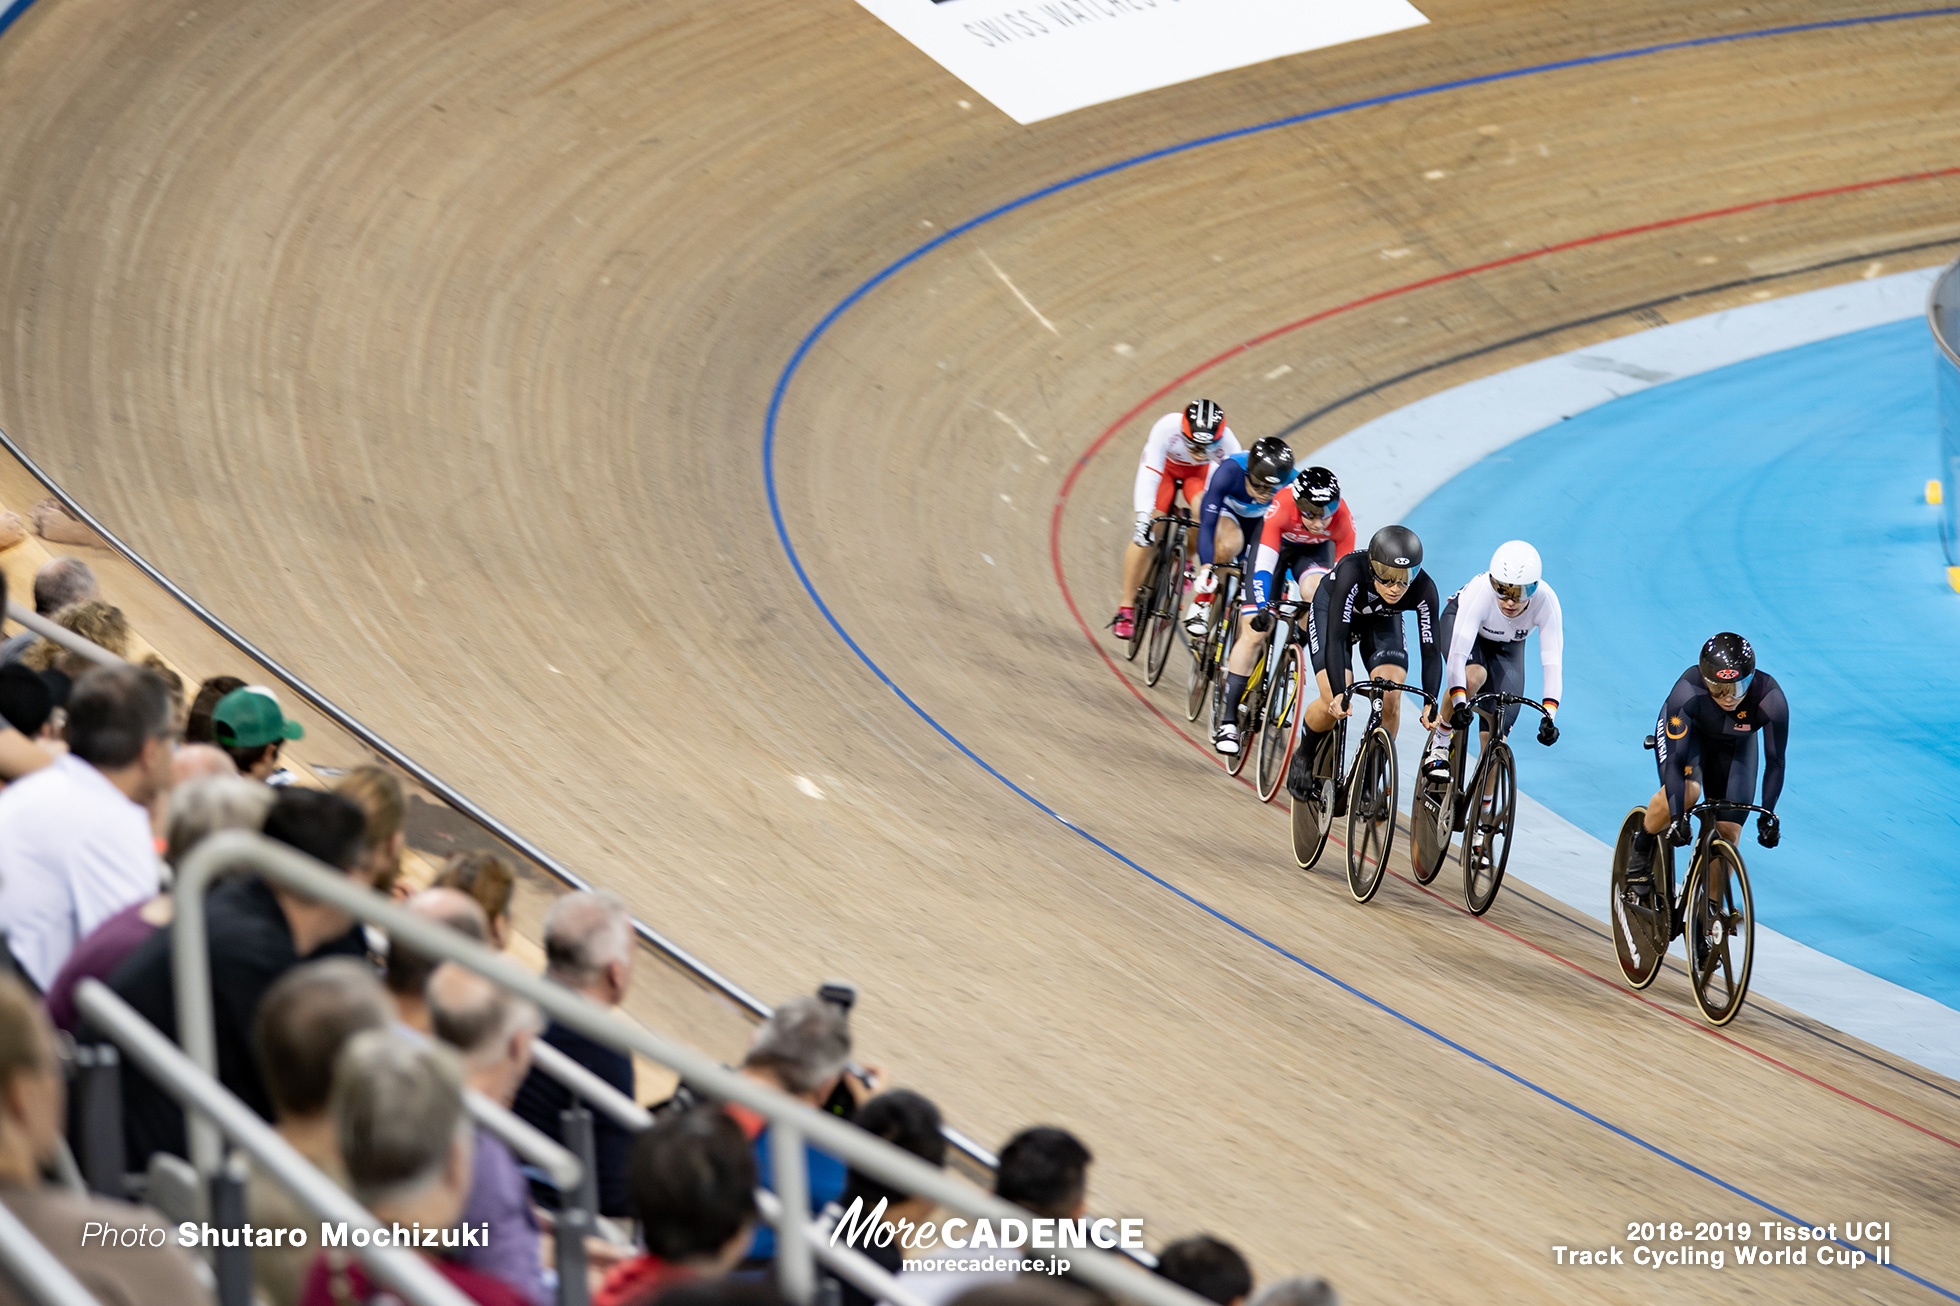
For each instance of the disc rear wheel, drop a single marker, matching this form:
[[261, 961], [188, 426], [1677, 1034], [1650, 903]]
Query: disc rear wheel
[[1313, 816], [1641, 931], [1719, 920], [1279, 728], [1371, 815], [1164, 614]]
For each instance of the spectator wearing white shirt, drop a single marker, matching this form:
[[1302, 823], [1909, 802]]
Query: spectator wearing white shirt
[[75, 840]]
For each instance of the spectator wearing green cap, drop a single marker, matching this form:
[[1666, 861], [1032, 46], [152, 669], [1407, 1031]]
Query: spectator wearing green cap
[[248, 724]]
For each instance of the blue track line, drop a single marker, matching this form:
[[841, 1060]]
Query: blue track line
[[829, 319]]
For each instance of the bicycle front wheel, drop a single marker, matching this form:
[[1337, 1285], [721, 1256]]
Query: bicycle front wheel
[[1164, 612], [1371, 815], [1720, 924], [1279, 730], [1641, 931], [1487, 827]]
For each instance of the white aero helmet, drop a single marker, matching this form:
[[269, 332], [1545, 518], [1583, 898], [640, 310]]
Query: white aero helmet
[[1515, 570]]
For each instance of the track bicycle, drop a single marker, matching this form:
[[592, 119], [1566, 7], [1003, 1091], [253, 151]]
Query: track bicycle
[[1157, 599], [1719, 922], [1366, 794], [1213, 652], [1250, 711], [1278, 706], [1444, 805]]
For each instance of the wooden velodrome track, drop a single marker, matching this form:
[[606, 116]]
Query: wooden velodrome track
[[432, 345]]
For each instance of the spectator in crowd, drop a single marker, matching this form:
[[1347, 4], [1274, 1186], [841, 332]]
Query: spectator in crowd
[[1212, 1269], [378, 794], [75, 839], [405, 1143], [173, 683], [101, 624], [407, 972], [1043, 1169], [255, 933], [492, 1028], [248, 724], [33, 1098], [197, 726], [19, 754], [692, 1180], [26, 702], [588, 948], [908, 1121], [191, 762], [59, 582], [489, 879], [306, 1018], [197, 807], [804, 1050], [1298, 1291]]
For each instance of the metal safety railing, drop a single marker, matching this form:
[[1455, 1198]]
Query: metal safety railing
[[207, 1101], [791, 1125], [659, 942], [34, 1270]]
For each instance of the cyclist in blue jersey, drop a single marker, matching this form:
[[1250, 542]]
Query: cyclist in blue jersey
[[1232, 514]]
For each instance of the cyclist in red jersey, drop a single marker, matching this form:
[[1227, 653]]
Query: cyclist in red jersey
[[1178, 455]]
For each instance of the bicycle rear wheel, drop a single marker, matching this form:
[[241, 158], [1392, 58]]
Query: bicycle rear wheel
[[1432, 817], [1279, 730], [1487, 827], [1313, 816], [1250, 711], [1371, 815], [1721, 933], [1641, 931], [1164, 612], [1207, 658]]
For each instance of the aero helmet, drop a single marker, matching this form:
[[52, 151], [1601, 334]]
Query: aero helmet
[[1317, 492], [1395, 554], [1728, 660], [1203, 420], [1515, 571], [1270, 463]]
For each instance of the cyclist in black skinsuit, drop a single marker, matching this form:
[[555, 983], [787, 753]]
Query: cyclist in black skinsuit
[[1362, 601], [1706, 737]]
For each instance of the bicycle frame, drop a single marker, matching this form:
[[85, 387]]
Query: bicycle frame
[[1489, 710], [1710, 815]]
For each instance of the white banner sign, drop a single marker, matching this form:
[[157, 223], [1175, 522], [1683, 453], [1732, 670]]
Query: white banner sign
[[1038, 58]]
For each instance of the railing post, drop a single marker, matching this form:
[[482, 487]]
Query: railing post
[[95, 1115], [796, 1275], [577, 1208], [231, 1265]]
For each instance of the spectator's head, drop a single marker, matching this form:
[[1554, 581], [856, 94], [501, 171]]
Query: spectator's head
[[26, 699], [33, 1097], [327, 828], [908, 1121], [199, 762], [304, 1020], [1046, 1170], [405, 1138], [99, 623], [1212, 1269], [378, 794], [408, 970], [489, 879], [197, 726], [1298, 1291], [172, 683], [691, 1180], [211, 803], [119, 723], [248, 724], [489, 1026], [588, 945], [802, 1048], [61, 582]]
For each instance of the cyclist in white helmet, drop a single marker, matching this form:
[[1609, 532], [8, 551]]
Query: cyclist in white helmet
[[1484, 627]]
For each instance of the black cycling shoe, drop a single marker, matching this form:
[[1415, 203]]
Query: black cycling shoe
[[1640, 869], [1299, 775]]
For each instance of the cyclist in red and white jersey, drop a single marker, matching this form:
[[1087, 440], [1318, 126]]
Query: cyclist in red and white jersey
[[1178, 456]]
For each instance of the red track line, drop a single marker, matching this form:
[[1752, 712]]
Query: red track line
[[1096, 447]]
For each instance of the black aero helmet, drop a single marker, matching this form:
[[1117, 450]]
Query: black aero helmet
[[1203, 420], [1317, 492], [1270, 463], [1728, 660], [1396, 555]]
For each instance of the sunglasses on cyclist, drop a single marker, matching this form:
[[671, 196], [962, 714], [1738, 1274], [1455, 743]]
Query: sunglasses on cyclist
[[1514, 593], [1729, 688], [1394, 575]]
